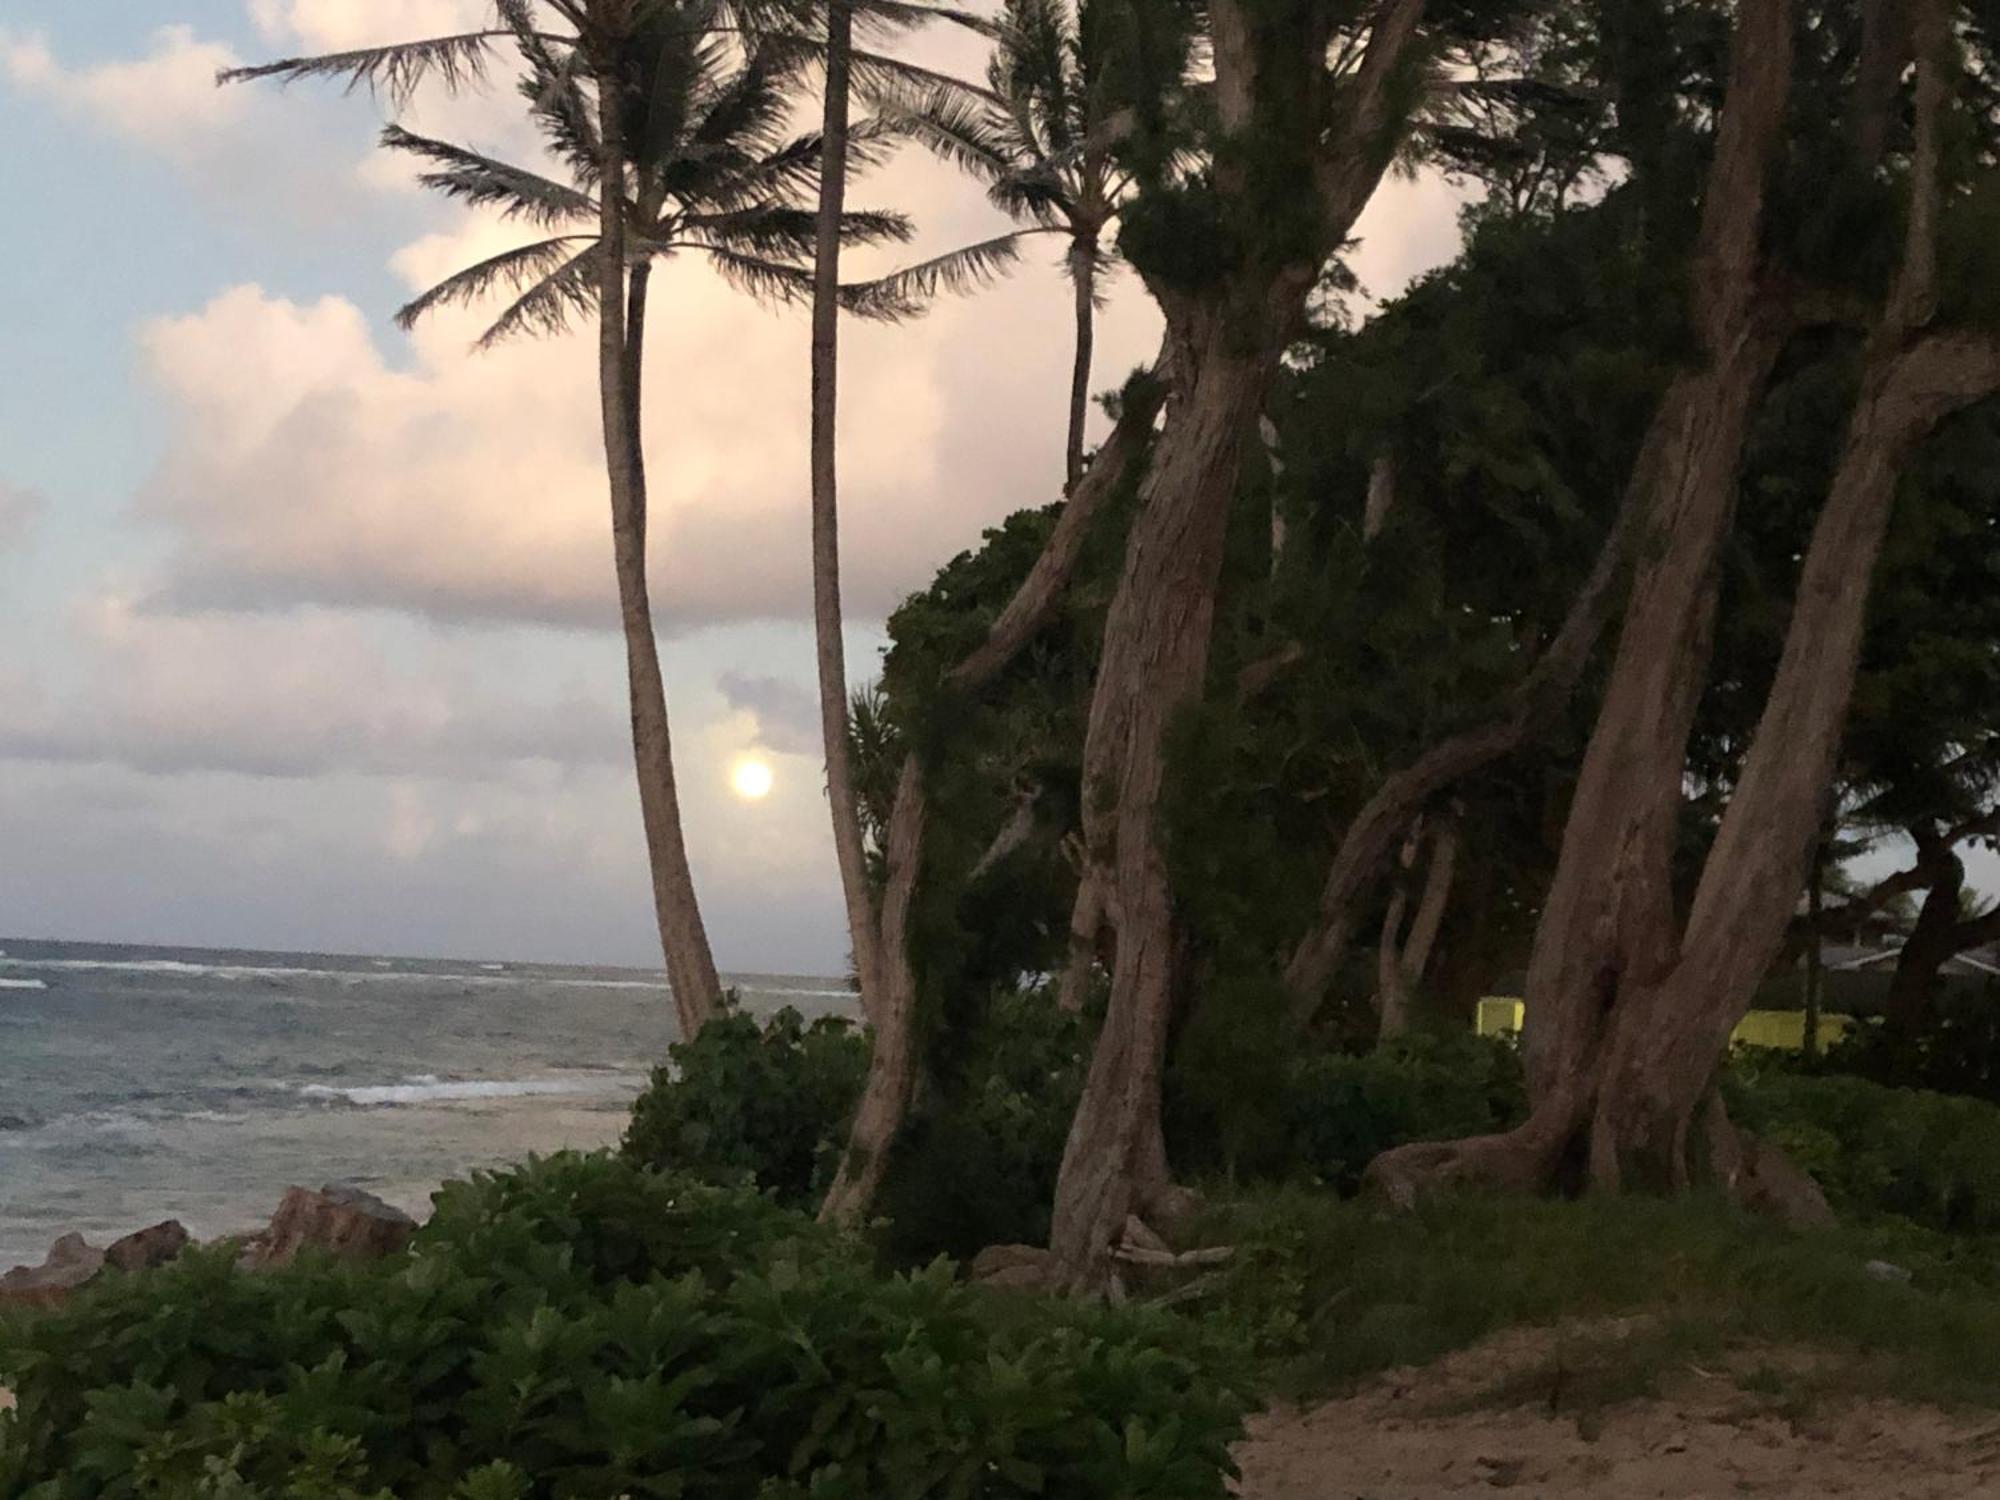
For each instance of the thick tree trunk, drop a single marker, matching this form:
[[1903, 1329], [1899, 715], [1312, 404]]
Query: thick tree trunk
[[690, 965], [1607, 929], [1154, 663], [828, 619], [1083, 271], [1931, 945], [1226, 346], [1654, 1035]]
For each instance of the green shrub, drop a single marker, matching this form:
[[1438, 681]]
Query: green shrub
[[978, 1164], [1928, 1157], [766, 1104], [1341, 1111], [582, 1327], [1954, 1050]]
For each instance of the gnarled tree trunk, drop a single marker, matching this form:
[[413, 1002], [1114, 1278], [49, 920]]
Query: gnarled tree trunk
[[690, 965], [1154, 663], [892, 1063], [1625, 1058], [1226, 342]]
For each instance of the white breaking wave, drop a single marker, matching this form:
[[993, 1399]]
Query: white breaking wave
[[22, 984], [428, 1090]]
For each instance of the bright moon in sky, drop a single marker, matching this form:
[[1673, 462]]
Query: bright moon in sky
[[751, 779]]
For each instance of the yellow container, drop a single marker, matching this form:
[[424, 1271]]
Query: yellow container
[[1500, 1014]]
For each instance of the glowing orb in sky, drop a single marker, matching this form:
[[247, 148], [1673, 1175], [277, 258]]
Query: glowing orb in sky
[[750, 779]]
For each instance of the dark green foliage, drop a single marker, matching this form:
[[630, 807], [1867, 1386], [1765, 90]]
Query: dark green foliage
[[978, 1164], [1927, 1157], [1954, 1050], [582, 1327], [765, 1104], [1344, 1111]]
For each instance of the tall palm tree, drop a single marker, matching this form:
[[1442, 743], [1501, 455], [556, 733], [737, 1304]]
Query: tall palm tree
[[883, 78], [1042, 143], [671, 140]]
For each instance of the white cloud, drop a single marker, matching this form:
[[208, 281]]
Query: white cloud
[[167, 98], [20, 509], [302, 152], [305, 467]]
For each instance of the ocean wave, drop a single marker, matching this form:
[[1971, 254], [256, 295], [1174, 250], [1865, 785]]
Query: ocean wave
[[181, 968], [22, 984], [428, 1089]]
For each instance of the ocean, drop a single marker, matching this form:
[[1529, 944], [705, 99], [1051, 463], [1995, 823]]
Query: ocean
[[140, 1084]]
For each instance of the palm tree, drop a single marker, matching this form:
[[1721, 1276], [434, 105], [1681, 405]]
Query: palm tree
[[1042, 143], [672, 141]]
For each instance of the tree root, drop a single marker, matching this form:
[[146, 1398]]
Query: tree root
[[1753, 1173]]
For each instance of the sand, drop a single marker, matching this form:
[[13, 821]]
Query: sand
[[1413, 1434]]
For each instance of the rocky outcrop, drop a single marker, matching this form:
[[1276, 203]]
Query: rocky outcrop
[[146, 1248], [70, 1263], [343, 1221]]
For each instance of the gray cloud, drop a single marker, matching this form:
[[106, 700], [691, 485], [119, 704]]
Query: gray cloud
[[787, 714], [20, 509], [295, 697]]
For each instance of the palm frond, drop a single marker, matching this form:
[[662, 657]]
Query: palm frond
[[546, 307], [553, 88], [890, 81], [968, 134], [766, 280], [771, 229], [394, 71], [918, 13], [512, 268], [905, 293], [485, 183]]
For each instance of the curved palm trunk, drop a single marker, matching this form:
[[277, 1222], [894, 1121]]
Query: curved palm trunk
[[690, 964], [1083, 271], [848, 848]]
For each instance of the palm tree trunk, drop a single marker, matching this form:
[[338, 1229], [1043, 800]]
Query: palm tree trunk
[[697, 990], [827, 615], [1083, 271]]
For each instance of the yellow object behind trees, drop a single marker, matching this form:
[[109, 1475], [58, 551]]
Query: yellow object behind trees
[[1500, 1014]]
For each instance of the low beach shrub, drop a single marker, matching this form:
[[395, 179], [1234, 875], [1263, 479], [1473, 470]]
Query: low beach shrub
[[584, 1327], [766, 1104]]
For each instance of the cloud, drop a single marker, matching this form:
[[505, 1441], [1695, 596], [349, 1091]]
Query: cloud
[[20, 509], [787, 715], [304, 467], [167, 98], [303, 152], [309, 695]]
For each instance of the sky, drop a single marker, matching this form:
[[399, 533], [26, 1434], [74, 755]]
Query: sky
[[307, 632]]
